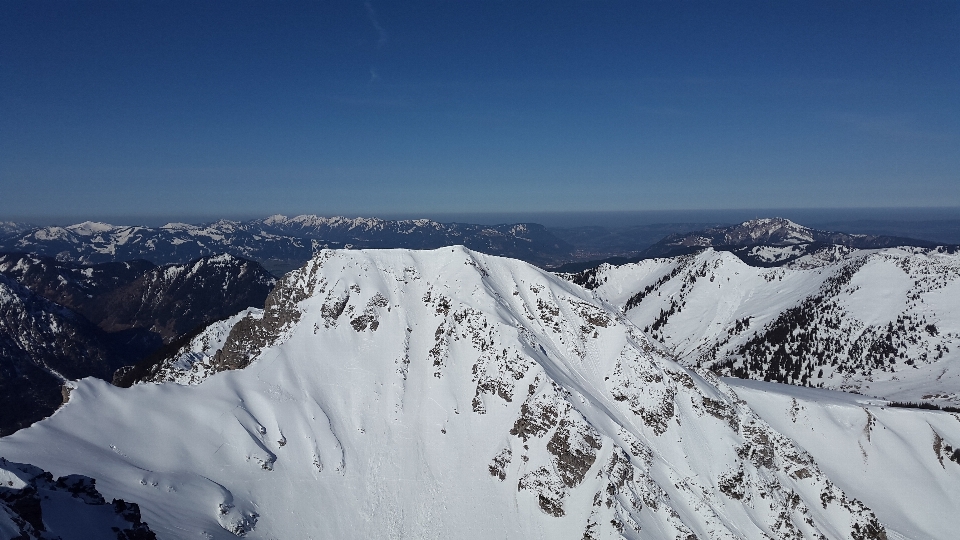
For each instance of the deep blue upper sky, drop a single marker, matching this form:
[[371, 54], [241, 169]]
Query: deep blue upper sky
[[250, 108]]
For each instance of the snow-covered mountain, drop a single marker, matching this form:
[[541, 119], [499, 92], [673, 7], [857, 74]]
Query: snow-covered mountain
[[278, 242], [12, 227], [174, 243], [529, 242], [188, 359], [164, 300], [882, 322], [449, 394], [43, 344], [63, 321], [770, 241]]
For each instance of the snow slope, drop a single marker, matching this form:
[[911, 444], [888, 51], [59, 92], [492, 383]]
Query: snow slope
[[868, 449], [191, 362], [448, 394]]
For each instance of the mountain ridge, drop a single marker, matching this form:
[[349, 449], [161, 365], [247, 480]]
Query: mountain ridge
[[743, 239], [279, 243], [165, 300], [764, 242], [283, 243], [882, 322]]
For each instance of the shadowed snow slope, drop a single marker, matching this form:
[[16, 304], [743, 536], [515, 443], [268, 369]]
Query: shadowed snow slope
[[447, 394]]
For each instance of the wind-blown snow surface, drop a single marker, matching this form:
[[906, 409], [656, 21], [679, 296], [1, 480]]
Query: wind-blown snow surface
[[884, 322], [447, 394]]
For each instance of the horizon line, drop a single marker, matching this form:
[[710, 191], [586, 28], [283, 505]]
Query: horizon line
[[701, 215]]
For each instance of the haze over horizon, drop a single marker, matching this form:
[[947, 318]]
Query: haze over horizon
[[614, 219], [440, 108]]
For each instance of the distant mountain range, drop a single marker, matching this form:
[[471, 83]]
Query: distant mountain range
[[283, 243], [277, 242], [12, 227], [752, 239], [764, 242]]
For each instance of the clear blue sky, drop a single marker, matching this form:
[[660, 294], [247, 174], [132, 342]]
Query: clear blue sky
[[250, 108]]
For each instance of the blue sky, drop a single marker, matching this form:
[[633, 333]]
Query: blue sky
[[251, 108]]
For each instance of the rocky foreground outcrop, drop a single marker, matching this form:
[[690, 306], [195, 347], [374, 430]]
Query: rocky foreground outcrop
[[35, 506]]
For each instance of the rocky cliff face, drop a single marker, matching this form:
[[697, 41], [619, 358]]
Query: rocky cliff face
[[451, 394], [189, 359]]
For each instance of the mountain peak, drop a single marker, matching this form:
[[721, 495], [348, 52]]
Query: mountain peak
[[778, 231], [89, 228], [11, 227], [279, 242], [275, 218], [793, 239], [178, 226], [772, 223]]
